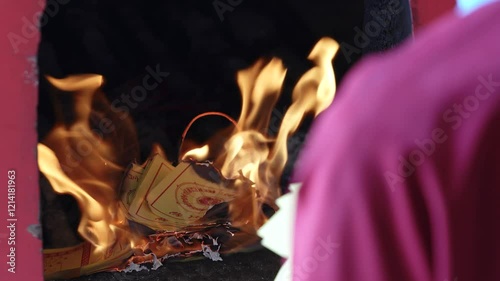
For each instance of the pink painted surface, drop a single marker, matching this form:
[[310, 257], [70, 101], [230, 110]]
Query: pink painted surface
[[18, 139], [366, 214]]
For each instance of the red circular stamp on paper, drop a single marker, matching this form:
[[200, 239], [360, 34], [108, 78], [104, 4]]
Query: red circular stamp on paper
[[194, 197]]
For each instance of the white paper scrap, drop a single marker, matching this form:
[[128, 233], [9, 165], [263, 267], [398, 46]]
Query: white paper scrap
[[277, 232]]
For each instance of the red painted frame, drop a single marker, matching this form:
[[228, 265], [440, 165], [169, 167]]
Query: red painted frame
[[18, 138], [426, 11]]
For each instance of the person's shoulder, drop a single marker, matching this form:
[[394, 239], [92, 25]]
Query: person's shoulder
[[416, 83], [447, 56]]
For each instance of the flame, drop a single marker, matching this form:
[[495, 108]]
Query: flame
[[313, 93], [260, 87], [198, 154], [100, 217], [250, 152], [86, 158]]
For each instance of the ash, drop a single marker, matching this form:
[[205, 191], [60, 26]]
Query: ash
[[258, 265]]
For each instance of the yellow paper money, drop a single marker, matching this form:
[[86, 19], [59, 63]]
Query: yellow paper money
[[130, 183], [187, 193], [138, 209], [82, 259]]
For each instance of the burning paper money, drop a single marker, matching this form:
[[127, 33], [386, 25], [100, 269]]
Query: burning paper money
[[179, 216], [83, 260], [212, 202], [168, 198]]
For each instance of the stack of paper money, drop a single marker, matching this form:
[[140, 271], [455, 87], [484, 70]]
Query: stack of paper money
[[167, 198], [82, 259]]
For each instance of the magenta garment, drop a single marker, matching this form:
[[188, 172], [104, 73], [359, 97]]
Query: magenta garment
[[401, 176]]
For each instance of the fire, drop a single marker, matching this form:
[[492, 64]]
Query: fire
[[197, 153], [101, 220], [85, 158], [253, 154], [88, 163]]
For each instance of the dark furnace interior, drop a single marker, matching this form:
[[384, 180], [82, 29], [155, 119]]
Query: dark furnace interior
[[201, 44]]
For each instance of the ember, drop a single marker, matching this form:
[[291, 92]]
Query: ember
[[210, 203]]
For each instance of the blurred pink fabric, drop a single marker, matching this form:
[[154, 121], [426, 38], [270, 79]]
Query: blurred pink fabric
[[401, 175]]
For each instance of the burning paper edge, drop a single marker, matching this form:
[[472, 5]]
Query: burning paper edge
[[278, 232], [139, 267], [134, 267], [211, 254], [156, 263]]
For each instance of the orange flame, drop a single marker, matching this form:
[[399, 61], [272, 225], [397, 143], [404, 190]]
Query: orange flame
[[87, 163], [101, 219], [250, 152], [313, 93], [85, 159], [198, 154]]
